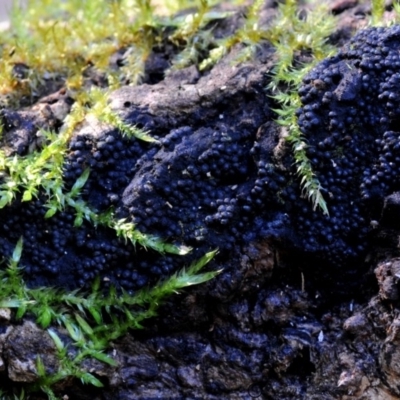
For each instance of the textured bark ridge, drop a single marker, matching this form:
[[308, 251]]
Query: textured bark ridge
[[286, 319]]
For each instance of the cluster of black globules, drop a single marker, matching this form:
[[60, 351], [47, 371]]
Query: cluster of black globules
[[351, 119], [201, 187], [57, 253], [112, 161], [192, 187], [189, 196], [222, 186]]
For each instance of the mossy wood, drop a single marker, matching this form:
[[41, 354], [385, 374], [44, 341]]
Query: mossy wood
[[61, 46]]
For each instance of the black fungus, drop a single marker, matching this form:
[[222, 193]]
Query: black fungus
[[221, 186], [360, 127]]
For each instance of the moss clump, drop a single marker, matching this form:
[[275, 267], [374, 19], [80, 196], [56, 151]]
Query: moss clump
[[93, 319], [52, 45]]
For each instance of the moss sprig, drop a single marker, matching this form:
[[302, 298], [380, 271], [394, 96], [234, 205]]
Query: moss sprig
[[377, 12], [127, 231], [101, 110], [92, 319], [292, 34], [250, 34], [191, 35], [16, 395], [27, 174]]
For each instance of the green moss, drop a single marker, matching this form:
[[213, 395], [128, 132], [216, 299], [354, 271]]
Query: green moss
[[92, 319], [377, 12], [291, 35], [249, 34]]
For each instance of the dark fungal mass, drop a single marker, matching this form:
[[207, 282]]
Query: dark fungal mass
[[202, 187], [351, 121], [196, 192], [214, 181]]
